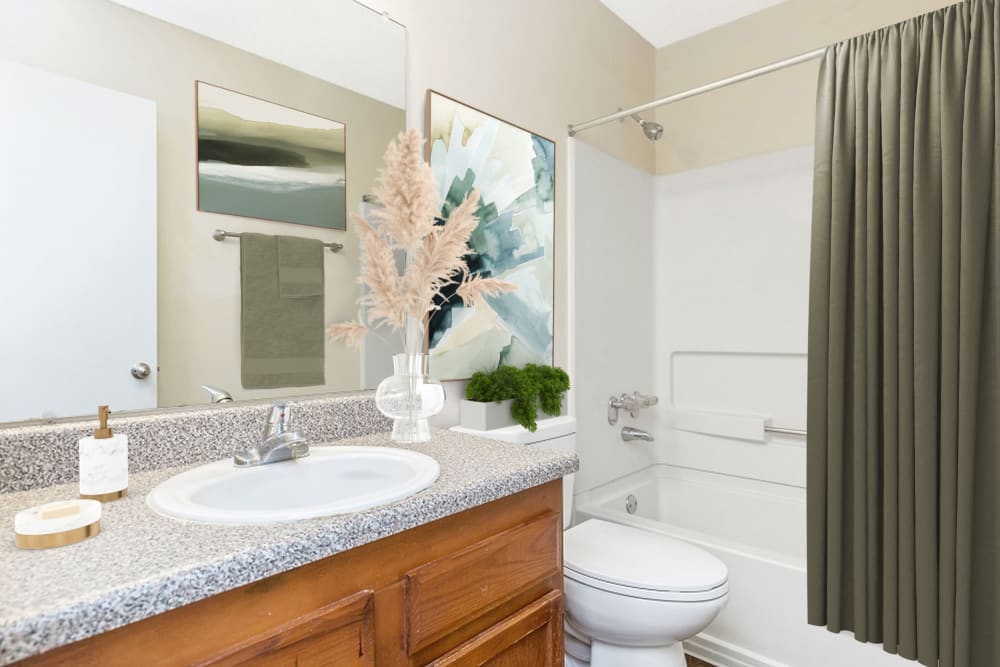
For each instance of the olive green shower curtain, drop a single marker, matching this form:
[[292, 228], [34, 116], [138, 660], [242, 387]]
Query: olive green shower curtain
[[904, 371]]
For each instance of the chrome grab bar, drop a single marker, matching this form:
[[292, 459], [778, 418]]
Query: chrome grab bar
[[802, 433]]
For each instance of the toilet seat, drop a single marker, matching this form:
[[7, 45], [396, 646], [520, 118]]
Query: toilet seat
[[648, 593], [641, 564]]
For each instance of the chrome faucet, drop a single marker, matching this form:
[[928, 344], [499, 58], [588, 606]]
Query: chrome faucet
[[631, 403], [217, 395], [278, 443], [629, 434]]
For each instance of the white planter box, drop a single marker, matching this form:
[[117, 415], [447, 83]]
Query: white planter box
[[486, 416]]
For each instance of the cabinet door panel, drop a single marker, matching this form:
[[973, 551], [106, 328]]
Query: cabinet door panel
[[443, 595], [531, 636], [337, 634]]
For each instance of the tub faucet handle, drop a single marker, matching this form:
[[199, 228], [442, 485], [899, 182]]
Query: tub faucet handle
[[645, 400], [615, 404]]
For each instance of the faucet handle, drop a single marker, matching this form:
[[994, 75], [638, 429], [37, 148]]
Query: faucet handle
[[279, 419], [616, 403], [645, 400]]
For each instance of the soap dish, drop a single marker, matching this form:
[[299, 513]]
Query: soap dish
[[57, 524]]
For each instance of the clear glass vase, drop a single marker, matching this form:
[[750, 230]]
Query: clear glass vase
[[408, 397]]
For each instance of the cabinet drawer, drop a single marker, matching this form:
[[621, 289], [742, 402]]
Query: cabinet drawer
[[337, 634], [531, 636], [445, 594]]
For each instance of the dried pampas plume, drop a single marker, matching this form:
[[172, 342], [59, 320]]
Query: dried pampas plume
[[408, 193], [352, 333], [475, 288], [407, 222]]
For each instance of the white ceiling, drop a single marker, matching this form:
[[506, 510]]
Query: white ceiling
[[340, 41], [664, 21]]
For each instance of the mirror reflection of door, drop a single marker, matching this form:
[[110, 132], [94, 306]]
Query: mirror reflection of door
[[106, 261], [78, 213]]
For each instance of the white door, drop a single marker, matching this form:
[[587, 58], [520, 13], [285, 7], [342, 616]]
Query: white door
[[78, 246]]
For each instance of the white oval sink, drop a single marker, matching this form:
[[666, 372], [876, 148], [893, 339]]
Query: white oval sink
[[331, 480]]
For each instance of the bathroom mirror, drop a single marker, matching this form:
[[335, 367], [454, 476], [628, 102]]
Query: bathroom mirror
[[131, 131]]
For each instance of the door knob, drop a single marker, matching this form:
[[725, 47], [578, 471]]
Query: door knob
[[141, 371]]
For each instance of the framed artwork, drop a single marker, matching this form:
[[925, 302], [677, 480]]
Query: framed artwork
[[514, 170], [257, 159]]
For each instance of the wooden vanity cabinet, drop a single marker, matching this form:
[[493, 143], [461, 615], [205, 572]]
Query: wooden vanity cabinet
[[482, 587]]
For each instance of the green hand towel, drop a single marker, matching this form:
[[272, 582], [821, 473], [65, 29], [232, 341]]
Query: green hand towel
[[300, 267], [283, 344]]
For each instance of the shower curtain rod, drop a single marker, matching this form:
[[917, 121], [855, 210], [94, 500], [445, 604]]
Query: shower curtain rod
[[677, 97]]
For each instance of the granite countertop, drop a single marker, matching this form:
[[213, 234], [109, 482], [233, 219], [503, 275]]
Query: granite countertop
[[143, 564]]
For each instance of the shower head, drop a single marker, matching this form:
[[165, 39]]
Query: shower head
[[651, 129]]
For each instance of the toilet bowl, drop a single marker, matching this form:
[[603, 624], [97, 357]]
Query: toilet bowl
[[634, 595], [631, 595]]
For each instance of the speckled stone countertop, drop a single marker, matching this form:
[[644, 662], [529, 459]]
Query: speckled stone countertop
[[143, 564]]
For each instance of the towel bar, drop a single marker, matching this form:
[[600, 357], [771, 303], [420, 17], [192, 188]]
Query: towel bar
[[785, 431], [221, 234]]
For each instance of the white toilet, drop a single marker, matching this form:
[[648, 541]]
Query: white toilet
[[632, 595]]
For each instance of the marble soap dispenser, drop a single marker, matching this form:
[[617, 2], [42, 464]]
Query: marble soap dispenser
[[103, 462]]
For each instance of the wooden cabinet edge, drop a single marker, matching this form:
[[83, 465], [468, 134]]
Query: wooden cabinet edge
[[354, 609], [460, 567], [547, 610], [376, 568]]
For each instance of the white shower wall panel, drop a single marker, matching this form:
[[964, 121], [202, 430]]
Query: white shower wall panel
[[732, 281], [612, 311]]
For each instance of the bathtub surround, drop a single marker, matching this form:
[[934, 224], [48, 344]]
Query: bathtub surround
[[731, 290], [904, 366], [731, 279], [35, 456], [613, 322]]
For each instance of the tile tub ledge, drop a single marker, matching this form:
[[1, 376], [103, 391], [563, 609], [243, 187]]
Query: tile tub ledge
[[144, 564]]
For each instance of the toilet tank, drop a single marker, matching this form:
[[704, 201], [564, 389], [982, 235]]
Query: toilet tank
[[557, 433]]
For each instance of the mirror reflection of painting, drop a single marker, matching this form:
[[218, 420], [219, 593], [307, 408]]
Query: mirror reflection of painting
[[257, 159]]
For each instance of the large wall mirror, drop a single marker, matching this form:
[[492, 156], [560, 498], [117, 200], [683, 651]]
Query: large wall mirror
[[168, 169]]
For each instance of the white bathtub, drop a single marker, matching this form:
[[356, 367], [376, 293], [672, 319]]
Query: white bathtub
[[758, 530]]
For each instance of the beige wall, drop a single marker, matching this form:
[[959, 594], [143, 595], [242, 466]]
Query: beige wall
[[199, 306], [540, 65], [773, 112]]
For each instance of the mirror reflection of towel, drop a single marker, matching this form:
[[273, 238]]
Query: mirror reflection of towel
[[283, 344], [300, 267]]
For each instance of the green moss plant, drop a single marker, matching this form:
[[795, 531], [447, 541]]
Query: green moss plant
[[532, 387]]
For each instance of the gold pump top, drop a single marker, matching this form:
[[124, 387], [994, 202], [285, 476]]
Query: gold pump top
[[103, 430]]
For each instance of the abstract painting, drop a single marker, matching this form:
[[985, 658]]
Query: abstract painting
[[514, 170], [258, 159]]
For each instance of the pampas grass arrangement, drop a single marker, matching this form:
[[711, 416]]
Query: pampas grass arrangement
[[407, 221]]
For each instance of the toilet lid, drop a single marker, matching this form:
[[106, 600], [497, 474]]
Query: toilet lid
[[637, 558]]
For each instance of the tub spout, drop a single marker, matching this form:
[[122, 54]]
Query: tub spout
[[629, 434]]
